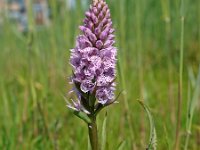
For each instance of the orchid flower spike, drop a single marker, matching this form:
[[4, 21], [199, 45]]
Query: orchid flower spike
[[94, 60]]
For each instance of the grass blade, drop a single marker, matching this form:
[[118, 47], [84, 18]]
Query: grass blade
[[180, 83], [153, 137], [191, 107], [121, 145]]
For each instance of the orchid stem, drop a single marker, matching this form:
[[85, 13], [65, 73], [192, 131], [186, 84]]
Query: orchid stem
[[92, 128]]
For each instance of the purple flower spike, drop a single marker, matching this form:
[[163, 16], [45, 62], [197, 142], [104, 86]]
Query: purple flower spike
[[94, 58]]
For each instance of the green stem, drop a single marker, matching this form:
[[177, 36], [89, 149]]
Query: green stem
[[187, 140], [92, 128], [180, 88]]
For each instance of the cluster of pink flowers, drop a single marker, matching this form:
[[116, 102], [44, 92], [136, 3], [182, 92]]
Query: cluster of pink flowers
[[94, 57]]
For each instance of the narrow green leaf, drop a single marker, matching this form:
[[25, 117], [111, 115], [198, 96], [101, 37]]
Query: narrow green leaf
[[153, 137], [121, 145], [192, 105], [166, 137], [191, 76], [89, 146], [103, 135], [82, 116]]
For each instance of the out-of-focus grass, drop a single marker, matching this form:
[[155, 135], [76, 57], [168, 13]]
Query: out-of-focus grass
[[34, 70]]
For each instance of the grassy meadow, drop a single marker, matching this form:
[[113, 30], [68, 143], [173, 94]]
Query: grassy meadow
[[158, 45]]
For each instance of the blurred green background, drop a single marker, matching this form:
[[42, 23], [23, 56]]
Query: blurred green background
[[34, 70]]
